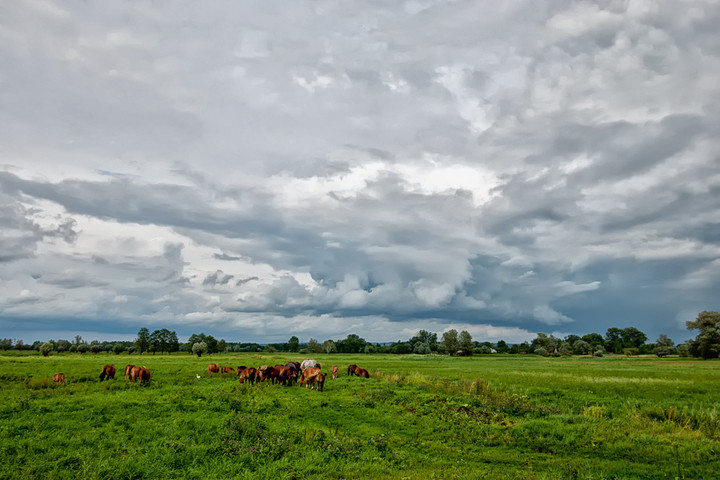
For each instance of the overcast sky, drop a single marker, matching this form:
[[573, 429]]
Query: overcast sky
[[257, 170]]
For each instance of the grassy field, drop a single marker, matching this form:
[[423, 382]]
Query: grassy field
[[417, 417]]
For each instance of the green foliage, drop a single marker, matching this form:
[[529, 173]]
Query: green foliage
[[142, 343], [664, 346], [199, 348], [707, 343], [328, 346], [314, 347], [450, 341], [46, 348]]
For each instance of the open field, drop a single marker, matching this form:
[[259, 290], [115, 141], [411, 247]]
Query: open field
[[417, 417]]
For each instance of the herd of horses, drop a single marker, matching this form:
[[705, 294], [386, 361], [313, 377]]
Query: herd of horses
[[132, 373], [308, 372]]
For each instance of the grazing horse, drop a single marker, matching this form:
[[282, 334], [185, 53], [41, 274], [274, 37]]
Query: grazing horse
[[309, 364], [227, 370], [266, 373], [140, 373], [361, 372], [293, 364], [59, 378], [213, 368], [127, 371], [351, 370], [334, 371], [107, 371], [286, 375], [312, 376], [247, 373]]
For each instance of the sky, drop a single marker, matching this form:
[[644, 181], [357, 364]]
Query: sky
[[261, 169]]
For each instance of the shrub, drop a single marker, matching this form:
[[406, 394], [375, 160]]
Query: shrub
[[541, 351], [45, 349]]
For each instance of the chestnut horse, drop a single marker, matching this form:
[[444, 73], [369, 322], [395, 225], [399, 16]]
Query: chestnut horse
[[213, 368], [247, 373], [107, 371], [334, 371], [312, 376], [59, 377]]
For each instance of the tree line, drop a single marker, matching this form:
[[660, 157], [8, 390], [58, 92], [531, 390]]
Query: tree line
[[628, 341]]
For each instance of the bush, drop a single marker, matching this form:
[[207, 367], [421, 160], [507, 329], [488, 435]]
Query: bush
[[599, 352], [541, 351], [45, 349]]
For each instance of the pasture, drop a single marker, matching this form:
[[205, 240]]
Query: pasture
[[416, 417]]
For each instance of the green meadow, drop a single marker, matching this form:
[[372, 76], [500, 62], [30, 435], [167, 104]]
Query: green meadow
[[417, 417]]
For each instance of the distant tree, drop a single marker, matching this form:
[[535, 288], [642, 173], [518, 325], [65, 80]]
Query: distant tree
[[633, 338], [594, 339], [293, 345], [664, 346], [540, 351], [524, 347], [329, 346], [221, 345], [46, 348], [613, 340], [155, 342], [683, 349], [450, 341], [173, 344], [269, 348], [571, 339], [79, 340], [548, 342], [581, 347], [565, 349], [600, 351], [314, 346], [95, 347], [422, 348], [62, 345], [423, 336], [82, 348], [118, 348], [6, 344], [400, 347], [351, 344], [142, 342], [501, 346], [210, 341], [465, 343], [707, 343], [484, 349], [199, 348]]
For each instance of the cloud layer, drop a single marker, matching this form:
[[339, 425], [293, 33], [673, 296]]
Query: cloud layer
[[261, 169]]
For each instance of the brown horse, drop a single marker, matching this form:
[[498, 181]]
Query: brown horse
[[312, 376], [59, 378], [107, 371], [213, 368], [266, 373], [361, 372], [334, 371], [227, 370], [351, 370], [247, 373], [127, 371], [140, 373]]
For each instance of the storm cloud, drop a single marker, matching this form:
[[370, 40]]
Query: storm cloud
[[257, 170]]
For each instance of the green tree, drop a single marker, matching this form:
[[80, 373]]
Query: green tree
[[352, 344], [46, 348], [465, 343], [613, 340], [142, 342], [293, 345], [594, 339], [221, 345], [450, 341], [424, 337], [199, 348], [707, 343], [581, 347], [664, 346], [314, 347], [633, 338], [62, 345], [501, 346], [82, 348], [118, 348], [548, 342], [329, 346]]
